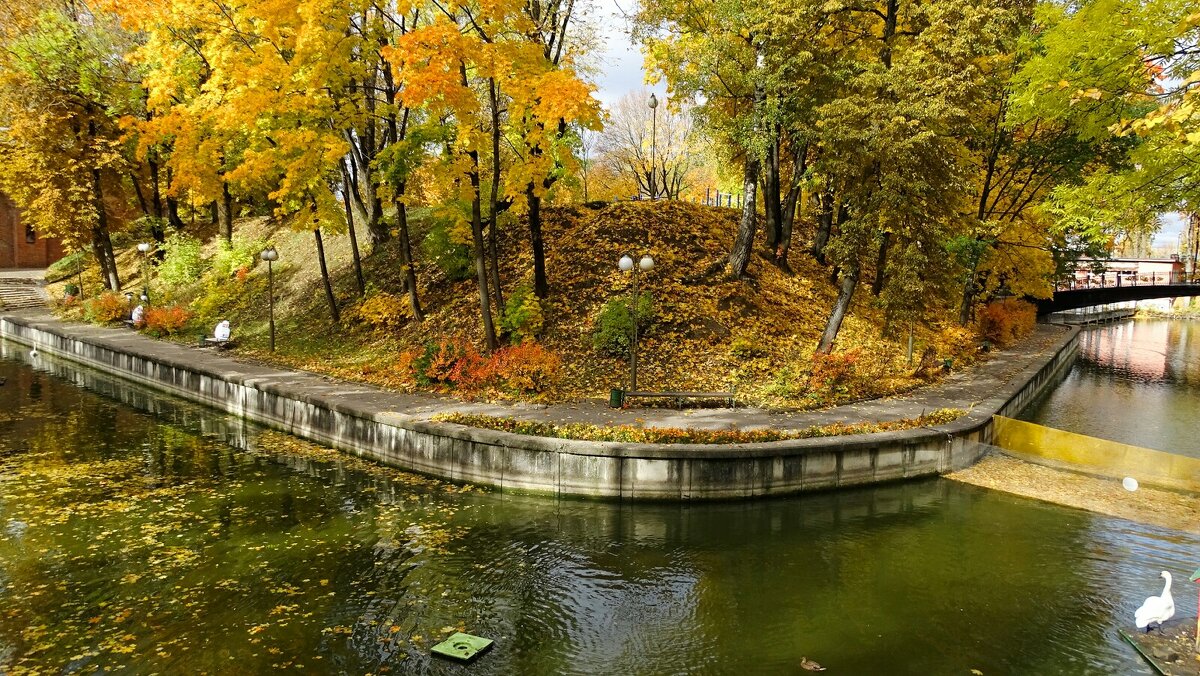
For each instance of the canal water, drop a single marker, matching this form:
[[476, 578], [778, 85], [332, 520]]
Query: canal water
[[1136, 381], [139, 534]]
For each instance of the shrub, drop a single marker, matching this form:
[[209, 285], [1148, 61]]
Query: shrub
[[67, 306], [453, 258], [525, 368], [523, 316], [831, 373], [71, 290], [384, 311], [166, 320], [105, 308], [236, 256], [957, 343], [746, 348], [1006, 321], [614, 327], [433, 366], [183, 262]]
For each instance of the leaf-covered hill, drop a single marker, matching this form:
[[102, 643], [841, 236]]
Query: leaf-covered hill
[[708, 331]]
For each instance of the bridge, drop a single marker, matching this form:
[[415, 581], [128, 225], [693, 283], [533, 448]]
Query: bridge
[[1106, 289]]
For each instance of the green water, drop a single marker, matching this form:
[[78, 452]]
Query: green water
[[141, 535], [1137, 382]]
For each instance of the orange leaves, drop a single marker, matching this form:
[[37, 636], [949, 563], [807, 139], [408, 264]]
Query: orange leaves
[[165, 321]]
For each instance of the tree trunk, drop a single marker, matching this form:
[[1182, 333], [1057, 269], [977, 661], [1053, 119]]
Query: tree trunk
[[156, 190], [772, 194], [968, 298], [225, 213], [840, 307], [141, 198], [480, 253], [784, 247], [333, 308], [173, 214], [102, 244], [101, 256], [885, 243], [358, 274], [410, 273], [494, 198], [824, 225], [173, 205], [541, 286], [739, 257]]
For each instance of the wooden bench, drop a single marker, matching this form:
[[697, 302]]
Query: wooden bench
[[209, 341], [680, 396]]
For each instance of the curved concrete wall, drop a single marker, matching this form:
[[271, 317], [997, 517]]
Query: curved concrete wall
[[513, 462]]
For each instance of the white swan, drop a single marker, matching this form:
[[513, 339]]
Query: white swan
[[1156, 609]]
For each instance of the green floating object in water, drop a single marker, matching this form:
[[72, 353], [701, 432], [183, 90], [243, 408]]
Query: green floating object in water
[[462, 647]]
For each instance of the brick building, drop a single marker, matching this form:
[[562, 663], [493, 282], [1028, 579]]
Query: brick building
[[20, 246]]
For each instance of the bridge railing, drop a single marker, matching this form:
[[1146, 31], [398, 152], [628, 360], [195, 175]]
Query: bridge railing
[[1112, 280]]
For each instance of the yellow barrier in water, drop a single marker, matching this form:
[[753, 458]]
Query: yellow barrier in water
[[1096, 456]]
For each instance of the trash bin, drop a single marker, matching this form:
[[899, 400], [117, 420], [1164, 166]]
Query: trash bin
[[616, 398]]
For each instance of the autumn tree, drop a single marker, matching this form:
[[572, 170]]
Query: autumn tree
[[63, 89], [1143, 88], [661, 152], [496, 72]]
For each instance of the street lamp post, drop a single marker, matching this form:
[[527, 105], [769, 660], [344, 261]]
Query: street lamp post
[[270, 255], [653, 103], [626, 265], [144, 249]]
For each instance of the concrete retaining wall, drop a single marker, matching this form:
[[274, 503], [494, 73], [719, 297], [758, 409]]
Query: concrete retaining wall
[[513, 462]]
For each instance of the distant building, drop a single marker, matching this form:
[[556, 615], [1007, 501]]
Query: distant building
[[20, 246], [1119, 271]]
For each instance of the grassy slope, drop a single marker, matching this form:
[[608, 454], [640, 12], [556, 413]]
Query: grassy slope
[[701, 313]]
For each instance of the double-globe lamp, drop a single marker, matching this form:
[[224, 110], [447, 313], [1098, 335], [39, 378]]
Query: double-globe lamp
[[626, 265]]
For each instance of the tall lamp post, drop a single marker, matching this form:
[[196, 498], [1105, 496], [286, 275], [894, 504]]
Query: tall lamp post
[[653, 103], [144, 249], [270, 255], [626, 265]]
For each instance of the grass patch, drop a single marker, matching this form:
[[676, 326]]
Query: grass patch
[[674, 435]]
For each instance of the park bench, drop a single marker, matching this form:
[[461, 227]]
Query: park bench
[[680, 397], [209, 341], [219, 343]]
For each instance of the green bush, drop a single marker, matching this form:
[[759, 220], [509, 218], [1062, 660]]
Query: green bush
[[452, 258], [183, 263], [746, 348], [614, 327], [236, 255], [523, 316]]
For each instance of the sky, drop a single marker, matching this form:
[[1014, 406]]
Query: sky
[[621, 63]]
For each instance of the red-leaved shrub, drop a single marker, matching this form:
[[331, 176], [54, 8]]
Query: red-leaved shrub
[[831, 371], [525, 368], [164, 321]]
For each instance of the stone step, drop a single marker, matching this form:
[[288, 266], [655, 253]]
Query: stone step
[[21, 297]]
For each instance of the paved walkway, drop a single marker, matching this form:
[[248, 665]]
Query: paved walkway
[[962, 389]]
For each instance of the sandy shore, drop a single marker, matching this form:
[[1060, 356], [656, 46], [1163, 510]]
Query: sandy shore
[[1169, 509]]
